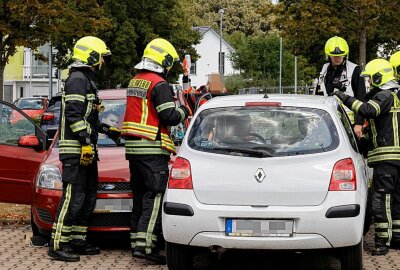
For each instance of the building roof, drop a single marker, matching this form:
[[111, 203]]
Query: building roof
[[204, 29]]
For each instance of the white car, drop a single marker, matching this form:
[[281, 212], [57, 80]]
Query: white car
[[277, 172]]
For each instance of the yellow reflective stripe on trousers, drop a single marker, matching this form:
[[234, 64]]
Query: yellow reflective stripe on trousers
[[381, 225], [389, 218], [153, 218], [135, 151], [82, 229], [165, 106], [61, 217], [383, 158], [75, 97]]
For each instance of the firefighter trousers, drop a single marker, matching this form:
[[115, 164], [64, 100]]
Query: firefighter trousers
[[386, 204], [148, 182], [77, 203]]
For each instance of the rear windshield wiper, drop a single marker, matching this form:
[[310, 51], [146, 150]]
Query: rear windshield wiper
[[258, 153]]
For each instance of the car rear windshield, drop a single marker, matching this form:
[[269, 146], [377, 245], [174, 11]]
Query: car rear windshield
[[263, 131], [30, 104]]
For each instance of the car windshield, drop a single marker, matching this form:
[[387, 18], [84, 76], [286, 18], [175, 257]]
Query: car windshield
[[30, 104], [263, 131]]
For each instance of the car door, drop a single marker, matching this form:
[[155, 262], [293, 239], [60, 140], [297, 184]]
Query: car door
[[23, 146]]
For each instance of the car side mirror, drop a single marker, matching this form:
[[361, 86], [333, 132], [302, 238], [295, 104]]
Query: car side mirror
[[28, 141], [47, 116]]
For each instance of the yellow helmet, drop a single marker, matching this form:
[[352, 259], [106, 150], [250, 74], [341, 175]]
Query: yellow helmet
[[336, 46], [380, 71], [162, 52], [395, 62], [89, 50]]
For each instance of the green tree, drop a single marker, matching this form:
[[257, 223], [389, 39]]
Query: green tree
[[258, 58], [364, 24], [134, 24], [32, 23]]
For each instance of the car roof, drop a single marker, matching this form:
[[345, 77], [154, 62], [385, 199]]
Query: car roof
[[310, 101], [119, 93]]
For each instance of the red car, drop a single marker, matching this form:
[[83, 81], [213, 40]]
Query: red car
[[30, 171], [34, 107]]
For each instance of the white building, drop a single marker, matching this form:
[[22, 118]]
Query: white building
[[208, 50]]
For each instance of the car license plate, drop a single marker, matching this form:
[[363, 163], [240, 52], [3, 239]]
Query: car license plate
[[113, 205], [258, 227]]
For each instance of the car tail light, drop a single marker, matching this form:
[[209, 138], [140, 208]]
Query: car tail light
[[181, 175], [47, 116], [343, 176]]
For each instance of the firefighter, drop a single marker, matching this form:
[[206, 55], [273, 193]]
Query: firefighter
[[150, 110], [77, 146], [343, 75], [382, 109], [395, 61]]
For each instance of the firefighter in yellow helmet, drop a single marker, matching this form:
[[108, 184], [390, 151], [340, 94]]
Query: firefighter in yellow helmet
[[341, 74], [382, 109], [77, 148], [150, 111], [395, 61]]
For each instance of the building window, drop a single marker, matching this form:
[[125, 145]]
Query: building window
[[193, 68], [221, 67]]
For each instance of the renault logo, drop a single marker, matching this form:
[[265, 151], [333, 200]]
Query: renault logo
[[259, 175]]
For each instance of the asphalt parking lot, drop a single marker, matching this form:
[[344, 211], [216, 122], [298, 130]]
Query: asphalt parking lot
[[15, 253]]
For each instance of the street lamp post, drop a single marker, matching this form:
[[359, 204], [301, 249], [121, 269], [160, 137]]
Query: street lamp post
[[221, 12]]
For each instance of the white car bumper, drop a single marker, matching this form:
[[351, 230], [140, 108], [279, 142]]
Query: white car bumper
[[311, 229]]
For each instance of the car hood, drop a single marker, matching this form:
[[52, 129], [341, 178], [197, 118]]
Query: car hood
[[284, 181], [112, 167]]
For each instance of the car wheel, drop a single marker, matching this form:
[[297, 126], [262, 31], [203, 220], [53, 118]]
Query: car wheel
[[37, 238], [179, 257], [351, 257]]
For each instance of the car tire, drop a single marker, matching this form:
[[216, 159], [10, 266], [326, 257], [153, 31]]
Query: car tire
[[38, 239], [351, 257], [179, 257]]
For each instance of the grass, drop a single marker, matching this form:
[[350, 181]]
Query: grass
[[14, 212]]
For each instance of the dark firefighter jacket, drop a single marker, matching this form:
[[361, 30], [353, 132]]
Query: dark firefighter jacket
[[382, 109], [79, 116]]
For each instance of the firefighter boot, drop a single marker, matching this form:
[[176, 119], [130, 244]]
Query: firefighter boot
[[64, 253], [153, 257], [380, 250], [82, 247]]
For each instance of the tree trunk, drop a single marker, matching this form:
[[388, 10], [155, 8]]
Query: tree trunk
[[362, 57], [2, 66]]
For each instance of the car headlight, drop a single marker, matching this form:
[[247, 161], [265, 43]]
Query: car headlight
[[49, 177]]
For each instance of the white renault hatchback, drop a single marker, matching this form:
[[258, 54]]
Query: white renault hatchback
[[277, 172]]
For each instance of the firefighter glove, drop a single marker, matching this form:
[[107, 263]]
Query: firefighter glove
[[114, 134], [87, 155], [339, 94]]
